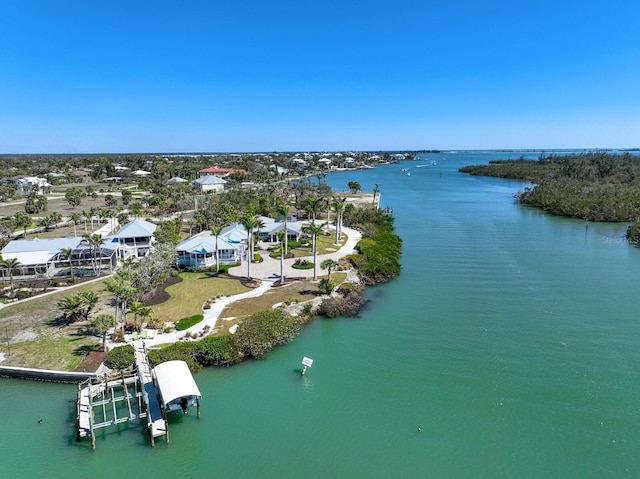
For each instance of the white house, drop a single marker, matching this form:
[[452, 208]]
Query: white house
[[271, 227], [43, 258], [209, 183], [28, 184], [200, 251], [135, 239]]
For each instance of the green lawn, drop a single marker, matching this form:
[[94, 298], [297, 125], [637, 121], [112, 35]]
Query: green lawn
[[188, 296]]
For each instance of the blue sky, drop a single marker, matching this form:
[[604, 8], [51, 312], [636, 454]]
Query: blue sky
[[196, 76]]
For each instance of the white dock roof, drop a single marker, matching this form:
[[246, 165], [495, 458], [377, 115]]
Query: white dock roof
[[175, 381]]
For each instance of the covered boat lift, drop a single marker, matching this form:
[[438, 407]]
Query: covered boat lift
[[178, 390]]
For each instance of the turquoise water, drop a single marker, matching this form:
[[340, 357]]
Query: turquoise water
[[511, 340]]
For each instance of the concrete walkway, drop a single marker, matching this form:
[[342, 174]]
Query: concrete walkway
[[269, 268], [268, 271]]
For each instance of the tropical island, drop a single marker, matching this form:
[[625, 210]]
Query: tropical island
[[594, 186], [101, 251]]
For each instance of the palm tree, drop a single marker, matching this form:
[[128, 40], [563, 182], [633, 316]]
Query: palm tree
[[376, 190], [102, 324], [328, 264], [338, 205], [46, 222], [314, 230], [312, 204], [72, 307], [249, 221], [282, 235], [216, 230], [11, 264], [90, 300], [139, 310], [95, 243], [284, 211], [68, 252], [75, 217], [22, 220], [85, 217]]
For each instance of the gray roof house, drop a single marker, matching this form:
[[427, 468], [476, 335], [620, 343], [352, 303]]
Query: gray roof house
[[271, 227], [200, 251], [135, 239], [209, 183], [43, 258]]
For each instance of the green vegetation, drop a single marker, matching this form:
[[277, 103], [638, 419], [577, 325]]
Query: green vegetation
[[186, 323], [378, 258], [592, 186], [261, 332], [256, 335], [121, 357]]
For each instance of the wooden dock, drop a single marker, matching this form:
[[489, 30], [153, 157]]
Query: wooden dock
[[117, 398]]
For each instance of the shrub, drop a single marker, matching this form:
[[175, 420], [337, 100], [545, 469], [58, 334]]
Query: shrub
[[218, 351], [262, 331], [121, 357], [301, 263], [23, 294], [348, 305], [186, 323], [326, 286], [181, 351]]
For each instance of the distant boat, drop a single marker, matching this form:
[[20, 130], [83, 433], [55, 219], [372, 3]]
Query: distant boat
[[408, 174]]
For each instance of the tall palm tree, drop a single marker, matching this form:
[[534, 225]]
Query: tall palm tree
[[95, 243], [376, 190], [11, 264], [284, 211], [338, 205], [102, 324], [216, 230], [249, 221], [314, 230], [312, 205], [139, 310], [68, 252], [75, 217], [282, 235]]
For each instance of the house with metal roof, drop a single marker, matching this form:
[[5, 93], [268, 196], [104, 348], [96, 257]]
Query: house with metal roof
[[209, 183], [135, 239], [43, 258], [271, 227], [202, 251]]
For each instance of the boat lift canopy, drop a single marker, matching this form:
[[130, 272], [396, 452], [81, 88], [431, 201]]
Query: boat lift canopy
[[175, 382]]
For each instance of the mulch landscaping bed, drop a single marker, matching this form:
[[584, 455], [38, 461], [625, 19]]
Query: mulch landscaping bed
[[160, 295]]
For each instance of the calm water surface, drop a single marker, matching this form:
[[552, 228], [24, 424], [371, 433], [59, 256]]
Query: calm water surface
[[511, 340]]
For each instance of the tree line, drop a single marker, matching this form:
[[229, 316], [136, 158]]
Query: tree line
[[594, 186]]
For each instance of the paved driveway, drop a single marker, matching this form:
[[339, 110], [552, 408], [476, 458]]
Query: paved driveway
[[269, 268]]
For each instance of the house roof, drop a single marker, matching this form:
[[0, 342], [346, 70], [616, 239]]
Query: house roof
[[141, 173], [209, 180], [135, 229], [235, 233], [176, 179], [175, 381], [204, 244], [53, 245]]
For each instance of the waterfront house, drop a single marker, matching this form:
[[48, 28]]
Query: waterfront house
[[43, 258], [200, 251], [135, 239]]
